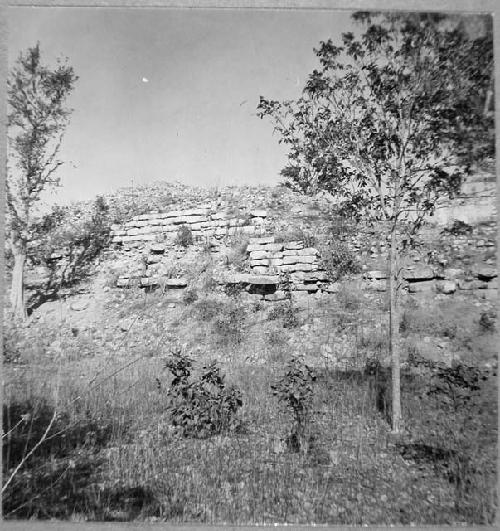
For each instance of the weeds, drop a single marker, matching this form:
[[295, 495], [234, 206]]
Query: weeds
[[200, 406], [184, 236], [339, 261], [294, 391], [286, 311]]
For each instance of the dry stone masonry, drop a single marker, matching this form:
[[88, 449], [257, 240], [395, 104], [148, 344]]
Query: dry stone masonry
[[202, 222]]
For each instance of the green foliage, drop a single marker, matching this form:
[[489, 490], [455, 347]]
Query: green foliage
[[388, 131], [338, 260], [190, 296], [200, 406], [458, 228], [487, 321], [229, 323], [207, 308], [286, 311], [77, 237], [237, 256], [184, 236], [294, 390]]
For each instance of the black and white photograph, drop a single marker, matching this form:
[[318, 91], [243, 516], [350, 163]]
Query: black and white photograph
[[250, 265]]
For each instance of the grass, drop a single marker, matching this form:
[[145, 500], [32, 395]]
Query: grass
[[113, 455]]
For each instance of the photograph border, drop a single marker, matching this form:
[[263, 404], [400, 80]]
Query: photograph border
[[450, 6]]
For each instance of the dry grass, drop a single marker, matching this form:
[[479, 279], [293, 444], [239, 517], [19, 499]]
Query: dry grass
[[114, 455]]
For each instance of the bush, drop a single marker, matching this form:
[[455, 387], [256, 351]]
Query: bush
[[204, 405], [458, 228], [286, 311], [206, 309], [487, 320], [294, 391], [184, 236], [339, 261], [229, 323], [190, 296]]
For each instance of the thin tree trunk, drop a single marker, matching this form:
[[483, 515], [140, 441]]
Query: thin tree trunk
[[17, 286], [394, 333]]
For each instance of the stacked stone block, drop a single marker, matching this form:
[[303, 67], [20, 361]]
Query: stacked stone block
[[203, 223]]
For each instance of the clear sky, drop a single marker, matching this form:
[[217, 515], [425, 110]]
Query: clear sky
[[171, 94]]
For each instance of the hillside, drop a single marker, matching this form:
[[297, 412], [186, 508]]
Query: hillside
[[252, 278]]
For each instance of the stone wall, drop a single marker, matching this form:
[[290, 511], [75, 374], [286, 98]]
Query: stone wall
[[203, 223]]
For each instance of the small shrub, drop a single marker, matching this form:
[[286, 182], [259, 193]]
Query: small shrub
[[200, 406], [229, 323], [339, 261], [350, 297], [286, 311], [206, 309], [487, 320], [237, 256], [190, 296], [233, 290], [184, 236], [294, 390], [458, 228], [275, 338]]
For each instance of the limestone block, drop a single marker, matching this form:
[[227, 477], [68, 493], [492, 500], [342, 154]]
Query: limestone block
[[308, 251], [418, 287], [375, 275], [447, 287], [290, 246], [219, 215], [471, 284], [312, 288], [261, 270], [122, 282], [275, 297], [255, 247], [450, 273], [258, 255], [262, 240], [176, 283], [116, 227], [486, 273], [133, 232], [304, 259], [419, 273], [273, 247], [157, 248], [248, 229], [154, 258], [258, 213]]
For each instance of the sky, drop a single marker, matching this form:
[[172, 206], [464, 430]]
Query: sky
[[171, 94]]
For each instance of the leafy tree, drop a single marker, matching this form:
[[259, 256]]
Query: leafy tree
[[37, 119], [390, 124]]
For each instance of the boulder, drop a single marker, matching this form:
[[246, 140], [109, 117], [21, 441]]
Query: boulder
[[447, 287], [273, 247]]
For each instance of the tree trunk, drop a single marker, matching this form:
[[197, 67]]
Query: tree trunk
[[17, 287], [394, 332]]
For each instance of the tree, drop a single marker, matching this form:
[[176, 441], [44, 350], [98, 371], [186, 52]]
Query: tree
[[37, 119], [390, 125]]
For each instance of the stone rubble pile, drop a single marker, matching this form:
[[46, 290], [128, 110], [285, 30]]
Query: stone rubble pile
[[424, 278]]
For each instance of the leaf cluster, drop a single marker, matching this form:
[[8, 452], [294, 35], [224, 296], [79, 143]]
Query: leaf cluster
[[200, 406]]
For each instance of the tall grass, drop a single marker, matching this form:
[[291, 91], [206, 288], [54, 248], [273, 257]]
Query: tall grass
[[112, 454]]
